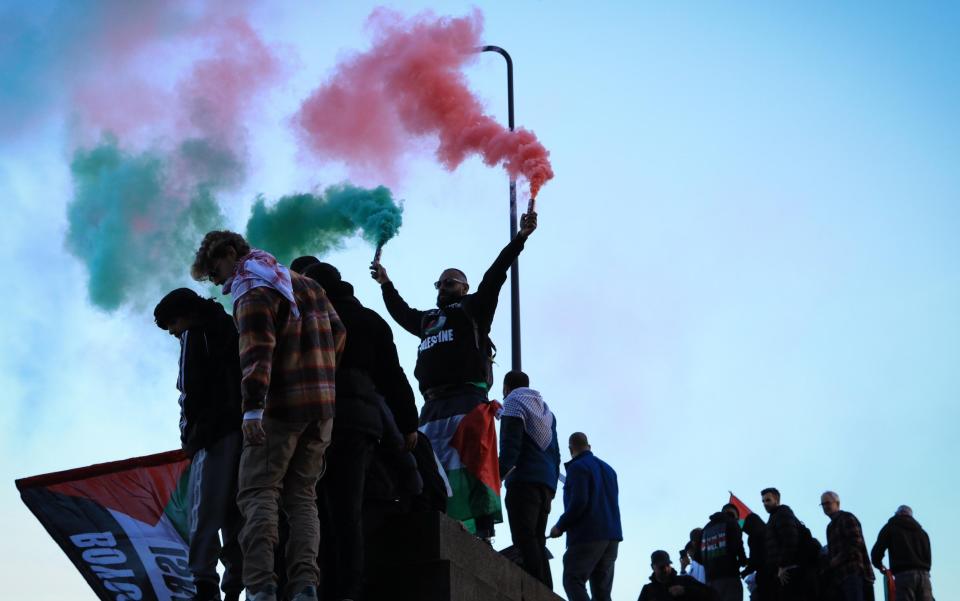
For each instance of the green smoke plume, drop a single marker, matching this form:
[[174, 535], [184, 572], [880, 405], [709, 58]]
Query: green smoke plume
[[135, 219], [301, 224]]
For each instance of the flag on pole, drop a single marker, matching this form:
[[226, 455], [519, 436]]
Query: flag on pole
[[741, 507], [122, 524], [889, 586]]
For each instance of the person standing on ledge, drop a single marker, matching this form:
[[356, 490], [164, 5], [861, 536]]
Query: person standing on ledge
[[454, 371]]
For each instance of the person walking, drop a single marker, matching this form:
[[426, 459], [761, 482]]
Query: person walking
[[591, 520]]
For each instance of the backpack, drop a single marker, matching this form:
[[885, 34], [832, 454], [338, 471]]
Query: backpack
[[808, 548]]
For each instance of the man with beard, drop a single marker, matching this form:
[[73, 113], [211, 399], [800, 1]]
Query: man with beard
[[453, 370]]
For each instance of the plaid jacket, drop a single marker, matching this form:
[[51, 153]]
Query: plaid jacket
[[289, 364], [847, 551]]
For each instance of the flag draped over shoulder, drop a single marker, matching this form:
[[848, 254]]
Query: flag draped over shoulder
[[122, 524]]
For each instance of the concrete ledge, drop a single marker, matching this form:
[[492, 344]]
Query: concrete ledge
[[430, 557]]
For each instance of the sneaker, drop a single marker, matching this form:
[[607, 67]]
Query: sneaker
[[309, 593], [206, 591]]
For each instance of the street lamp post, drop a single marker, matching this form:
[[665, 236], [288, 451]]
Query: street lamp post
[[515, 268]]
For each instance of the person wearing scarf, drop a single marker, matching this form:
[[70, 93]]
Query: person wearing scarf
[[530, 466], [290, 342]]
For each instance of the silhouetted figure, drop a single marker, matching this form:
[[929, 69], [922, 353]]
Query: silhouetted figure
[[667, 585], [908, 546], [290, 339], [848, 565], [723, 555], [368, 375], [209, 385], [454, 370]]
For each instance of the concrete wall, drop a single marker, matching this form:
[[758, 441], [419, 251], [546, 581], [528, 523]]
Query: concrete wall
[[430, 557]]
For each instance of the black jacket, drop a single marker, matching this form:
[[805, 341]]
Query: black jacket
[[783, 538], [722, 547], [368, 368], [906, 541], [453, 337], [756, 531], [693, 590], [209, 382]]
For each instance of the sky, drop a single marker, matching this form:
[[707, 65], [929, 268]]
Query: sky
[[745, 272]]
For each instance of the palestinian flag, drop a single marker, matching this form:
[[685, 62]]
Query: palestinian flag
[[122, 524], [464, 438], [741, 507]]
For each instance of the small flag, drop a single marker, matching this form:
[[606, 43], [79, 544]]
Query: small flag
[[741, 507], [889, 586]]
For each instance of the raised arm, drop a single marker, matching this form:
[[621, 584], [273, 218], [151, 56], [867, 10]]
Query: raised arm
[[409, 319], [484, 301]]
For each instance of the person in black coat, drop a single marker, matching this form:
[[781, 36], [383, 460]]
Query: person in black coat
[[210, 417], [667, 585], [909, 548], [368, 375], [756, 530], [723, 555]]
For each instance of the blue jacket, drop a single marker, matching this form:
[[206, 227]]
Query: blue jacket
[[590, 508], [519, 452]]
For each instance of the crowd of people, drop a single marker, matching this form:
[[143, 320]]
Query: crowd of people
[[299, 419], [784, 561]]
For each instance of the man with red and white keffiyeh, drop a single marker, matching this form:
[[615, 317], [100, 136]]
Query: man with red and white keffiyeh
[[290, 341], [530, 466]]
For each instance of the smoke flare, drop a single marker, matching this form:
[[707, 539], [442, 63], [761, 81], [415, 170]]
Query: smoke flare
[[300, 224], [411, 84]]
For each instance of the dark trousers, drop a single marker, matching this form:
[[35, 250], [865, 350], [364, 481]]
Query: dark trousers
[[851, 588], [589, 562], [528, 505], [348, 458], [913, 585], [727, 589], [213, 509]]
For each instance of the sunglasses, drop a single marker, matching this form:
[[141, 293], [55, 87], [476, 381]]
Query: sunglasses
[[447, 282]]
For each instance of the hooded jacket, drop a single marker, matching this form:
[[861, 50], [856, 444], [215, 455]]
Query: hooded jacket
[[209, 382], [660, 591], [906, 541], [722, 547], [369, 368]]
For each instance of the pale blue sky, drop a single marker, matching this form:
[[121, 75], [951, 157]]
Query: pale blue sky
[[746, 272]]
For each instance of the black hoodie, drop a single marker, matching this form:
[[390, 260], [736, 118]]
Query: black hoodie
[[907, 542], [660, 591], [722, 547], [209, 381], [453, 337]]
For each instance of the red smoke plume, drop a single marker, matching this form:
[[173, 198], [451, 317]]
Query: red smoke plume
[[411, 84]]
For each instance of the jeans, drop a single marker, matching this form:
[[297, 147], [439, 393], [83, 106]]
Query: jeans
[[528, 505], [913, 585], [591, 562], [851, 588], [283, 470], [213, 508], [348, 458]]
